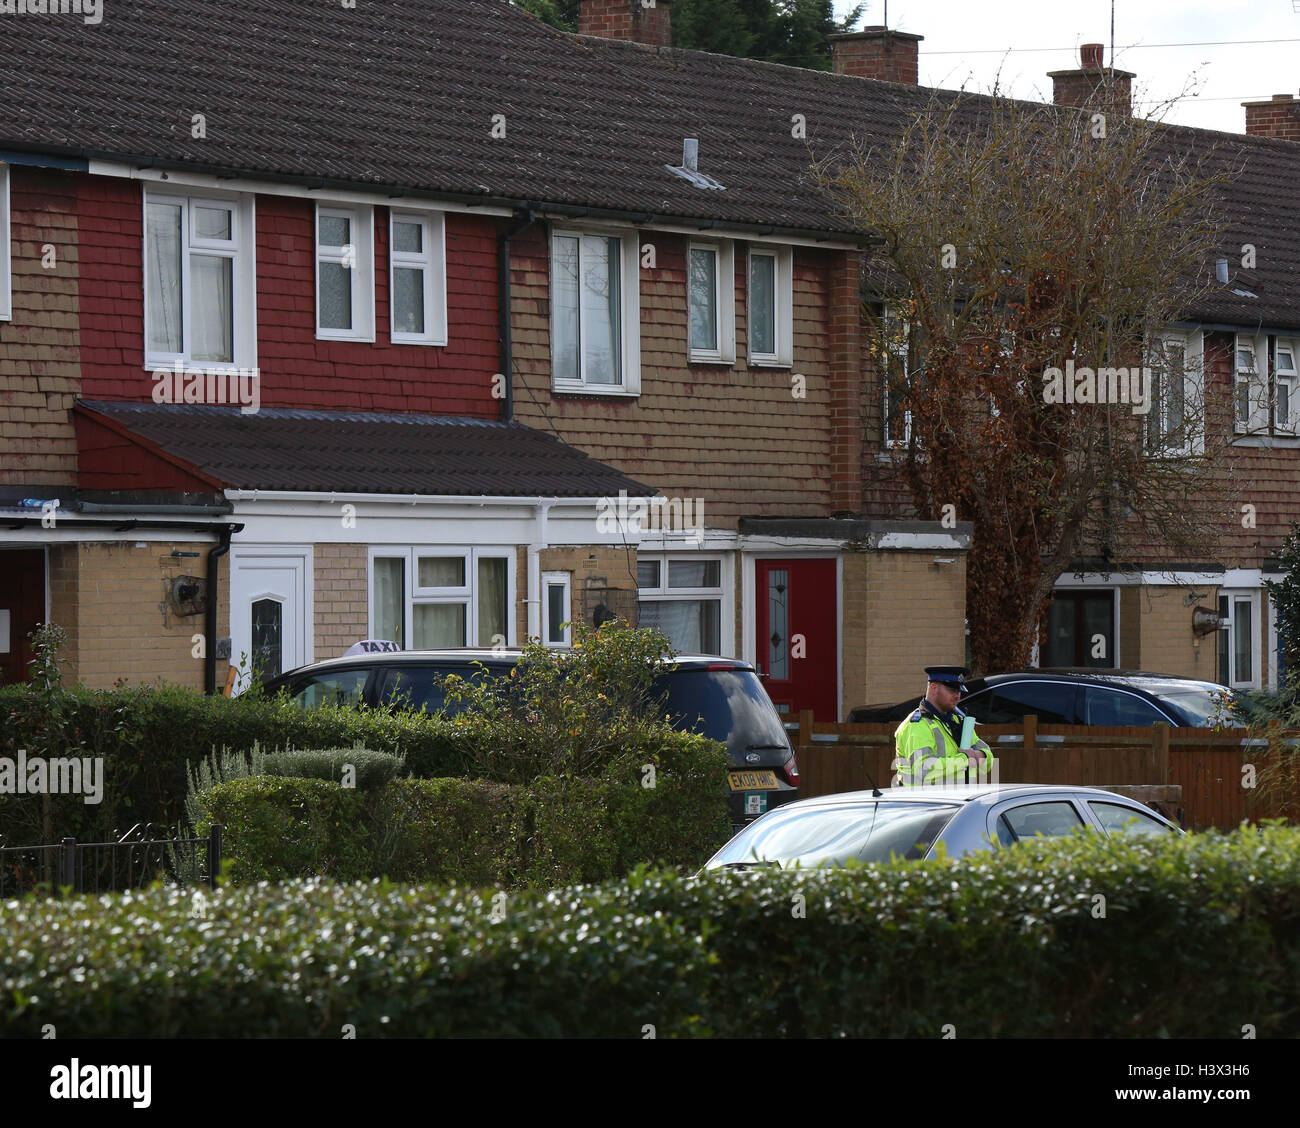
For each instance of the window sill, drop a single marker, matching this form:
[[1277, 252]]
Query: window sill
[[358, 339], [594, 391], [712, 361], [1267, 442], [770, 363], [430, 342]]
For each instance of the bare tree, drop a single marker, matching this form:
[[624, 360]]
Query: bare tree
[[1034, 259]]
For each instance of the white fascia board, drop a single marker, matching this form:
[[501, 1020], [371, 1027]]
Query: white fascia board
[[1140, 579], [789, 546], [172, 177], [701, 232], [1243, 578], [924, 542]]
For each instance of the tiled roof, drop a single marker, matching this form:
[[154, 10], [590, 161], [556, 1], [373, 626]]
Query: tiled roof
[[365, 452], [401, 94]]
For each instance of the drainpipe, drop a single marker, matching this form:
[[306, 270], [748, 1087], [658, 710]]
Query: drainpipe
[[503, 294], [543, 506], [218, 550]]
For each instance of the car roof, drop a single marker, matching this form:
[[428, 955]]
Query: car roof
[[505, 656], [959, 793], [1131, 679]]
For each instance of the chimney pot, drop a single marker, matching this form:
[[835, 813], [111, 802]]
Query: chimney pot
[[1279, 117], [876, 52], [1094, 85], [1090, 55]]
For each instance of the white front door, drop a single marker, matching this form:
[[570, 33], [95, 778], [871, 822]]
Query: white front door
[[270, 610]]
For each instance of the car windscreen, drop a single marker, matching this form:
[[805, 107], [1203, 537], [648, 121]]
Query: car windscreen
[[867, 832], [423, 687], [727, 705], [1203, 707]]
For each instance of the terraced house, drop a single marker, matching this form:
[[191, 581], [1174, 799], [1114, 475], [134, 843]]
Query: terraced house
[[391, 322]]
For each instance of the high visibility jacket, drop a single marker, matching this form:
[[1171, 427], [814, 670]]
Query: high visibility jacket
[[927, 752]]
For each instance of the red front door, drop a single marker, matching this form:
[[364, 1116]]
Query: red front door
[[798, 635], [22, 607]]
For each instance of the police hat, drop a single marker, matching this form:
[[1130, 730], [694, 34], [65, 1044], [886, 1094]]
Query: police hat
[[949, 675]]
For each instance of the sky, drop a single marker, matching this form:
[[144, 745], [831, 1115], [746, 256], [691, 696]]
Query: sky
[[970, 43]]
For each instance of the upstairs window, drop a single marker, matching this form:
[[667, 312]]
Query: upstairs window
[[1286, 412], [417, 288], [199, 284], [771, 306], [6, 287], [1250, 389], [1173, 424], [345, 274], [711, 287], [595, 312], [897, 362]]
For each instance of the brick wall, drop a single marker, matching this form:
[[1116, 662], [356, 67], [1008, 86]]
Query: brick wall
[[110, 598], [1279, 117], [735, 436], [340, 590], [39, 370], [1168, 645], [598, 565]]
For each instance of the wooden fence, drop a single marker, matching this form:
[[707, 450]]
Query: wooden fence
[[1222, 777]]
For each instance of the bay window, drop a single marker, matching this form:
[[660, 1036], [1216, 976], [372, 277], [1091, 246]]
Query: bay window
[[433, 598]]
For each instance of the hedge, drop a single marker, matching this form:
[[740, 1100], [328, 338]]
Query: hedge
[[1197, 937], [549, 832]]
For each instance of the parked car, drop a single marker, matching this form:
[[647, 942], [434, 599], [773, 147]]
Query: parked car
[[909, 823], [721, 698], [1085, 697]]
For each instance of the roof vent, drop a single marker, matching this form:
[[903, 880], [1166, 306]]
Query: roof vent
[[1221, 270], [690, 167]]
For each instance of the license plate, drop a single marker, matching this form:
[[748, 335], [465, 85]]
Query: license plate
[[752, 781]]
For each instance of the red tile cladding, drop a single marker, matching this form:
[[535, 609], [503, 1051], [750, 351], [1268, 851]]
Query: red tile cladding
[[296, 369]]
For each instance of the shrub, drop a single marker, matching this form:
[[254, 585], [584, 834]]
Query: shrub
[[1200, 936], [368, 769]]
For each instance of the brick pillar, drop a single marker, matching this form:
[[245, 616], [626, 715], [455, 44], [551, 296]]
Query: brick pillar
[[876, 52], [1279, 118], [846, 382], [633, 20], [1093, 84]]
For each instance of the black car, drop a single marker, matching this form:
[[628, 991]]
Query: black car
[[1083, 697], [721, 698]]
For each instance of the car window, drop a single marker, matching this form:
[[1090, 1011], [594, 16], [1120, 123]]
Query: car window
[[341, 687], [727, 705], [1104, 706], [1208, 707], [1052, 702], [1051, 819], [424, 686], [978, 705], [869, 832], [1116, 818]]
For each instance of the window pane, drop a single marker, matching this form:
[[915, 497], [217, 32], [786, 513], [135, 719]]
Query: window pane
[[1110, 707], [1285, 361], [492, 630], [692, 625], [1118, 819], [268, 637], [704, 298], [1243, 403], [694, 574], [212, 223], [335, 296], [334, 230], [437, 625], [1283, 405], [1245, 360], [441, 571], [600, 303], [565, 318], [389, 598], [408, 238], [647, 573], [343, 688], [1051, 819], [762, 303], [1225, 613], [778, 640], [557, 613], [163, 263], [408, 300], [1051, 702], [1241, 636], [212, 315]]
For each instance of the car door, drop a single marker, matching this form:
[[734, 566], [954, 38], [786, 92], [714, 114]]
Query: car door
[[1053, 702], [1053, 815], [1105, 705], [1117, 817]]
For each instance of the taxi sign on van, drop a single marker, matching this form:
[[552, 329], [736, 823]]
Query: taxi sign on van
[[371, 646]]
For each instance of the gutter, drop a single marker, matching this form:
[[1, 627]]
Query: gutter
[[504, 310]]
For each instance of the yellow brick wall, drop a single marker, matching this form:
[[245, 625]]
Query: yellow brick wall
[[40, 373], [122, 628], [1168, 645], [1130, 628], [601, 565], [902, 613], [341, 593]]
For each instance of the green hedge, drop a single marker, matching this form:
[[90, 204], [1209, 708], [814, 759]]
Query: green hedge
[[549, 832], [1200, 937]]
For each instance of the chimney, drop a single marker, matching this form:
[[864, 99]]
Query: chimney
[[876, 52], [1279, 118], [634, 20], [1093, 84]]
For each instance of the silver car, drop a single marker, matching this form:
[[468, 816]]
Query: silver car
[[910, 823]]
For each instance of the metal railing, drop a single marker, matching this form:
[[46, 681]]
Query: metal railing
[[134, 860]]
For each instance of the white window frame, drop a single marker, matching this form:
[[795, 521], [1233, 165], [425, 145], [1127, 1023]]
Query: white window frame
[[783, 297], [1193, 346], [1235, 596], [550, 580], [241, 249], [629, 315], [466, 594], [724, 299], [6, 262], [1253, 381], [433, 261], [662, 593], [1291, 380], [362, 275]]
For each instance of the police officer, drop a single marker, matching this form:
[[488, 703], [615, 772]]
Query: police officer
[[928, 743]]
